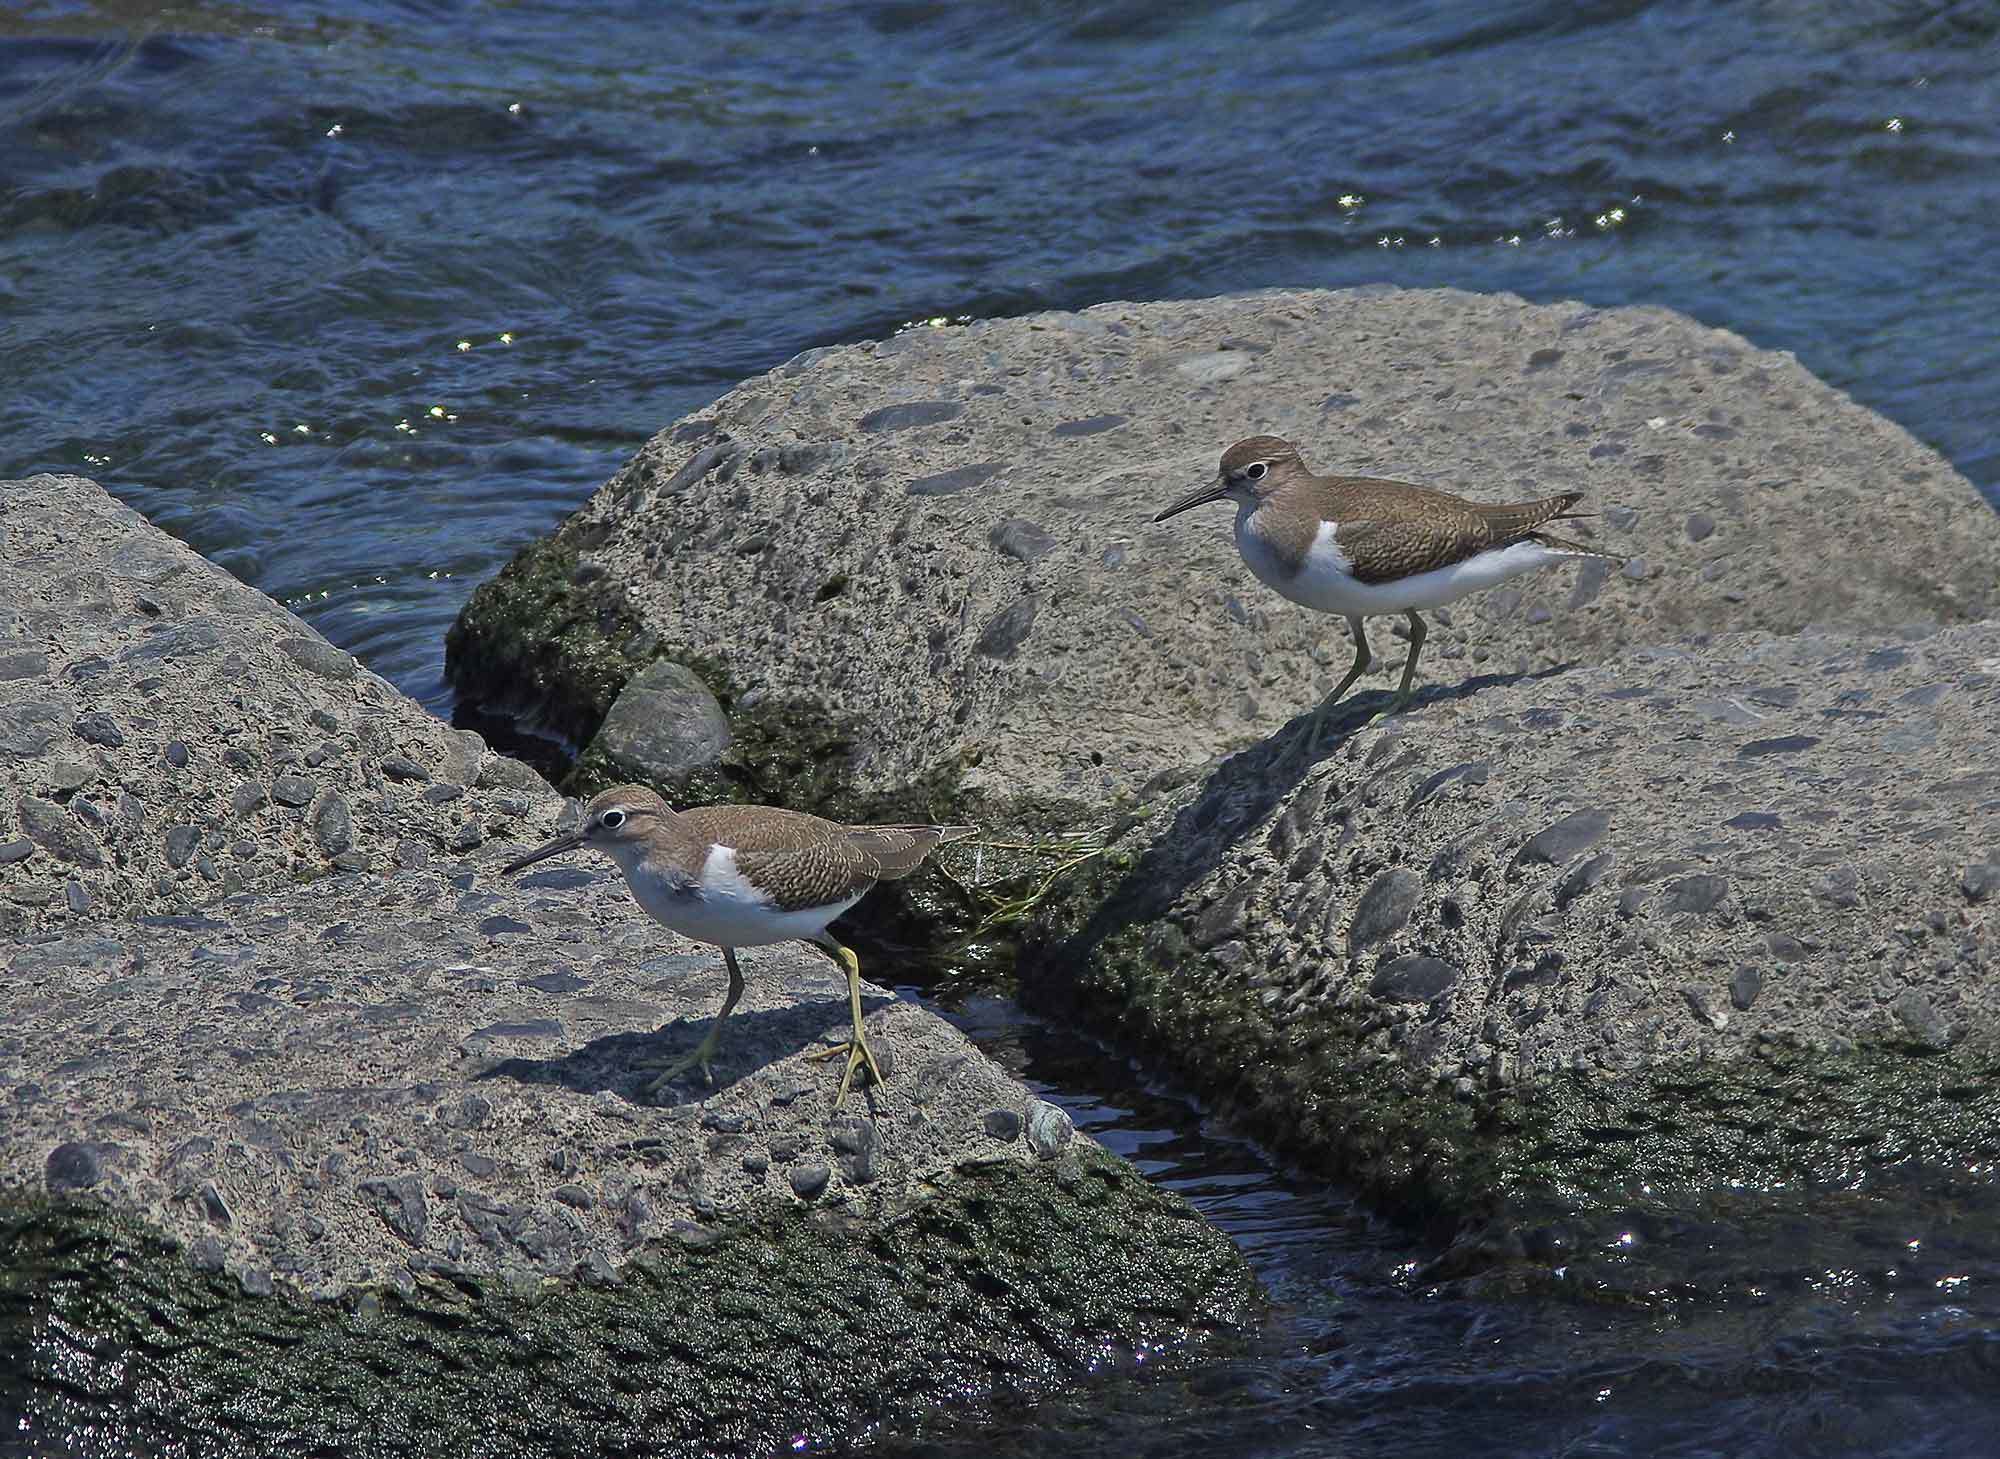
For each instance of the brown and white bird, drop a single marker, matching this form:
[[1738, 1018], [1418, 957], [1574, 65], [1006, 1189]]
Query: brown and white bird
[[744, 876], [1356, 546]]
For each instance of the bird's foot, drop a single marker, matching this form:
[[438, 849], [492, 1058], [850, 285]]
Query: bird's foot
[[672, 1069], [858, 1054]]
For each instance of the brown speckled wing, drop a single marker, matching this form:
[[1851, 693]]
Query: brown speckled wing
[[803, 861], [1391, 529]]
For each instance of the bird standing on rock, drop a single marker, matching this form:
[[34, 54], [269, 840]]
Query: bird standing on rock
[[1355, 545], [745, 876]]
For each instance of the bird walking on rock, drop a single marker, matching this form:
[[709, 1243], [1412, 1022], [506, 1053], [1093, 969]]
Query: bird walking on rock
[[745, 876], [1357, 546]]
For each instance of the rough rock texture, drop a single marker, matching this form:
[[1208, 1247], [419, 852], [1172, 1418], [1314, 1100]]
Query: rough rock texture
[[367, 1078], [168, 735], [415, 1093], [923, 573], [1715, 917]]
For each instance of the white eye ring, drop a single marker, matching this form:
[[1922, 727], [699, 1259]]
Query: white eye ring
[[1255, 470], [612, 819]]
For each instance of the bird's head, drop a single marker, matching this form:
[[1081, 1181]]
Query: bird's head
[[617, 822], [1250, 471]]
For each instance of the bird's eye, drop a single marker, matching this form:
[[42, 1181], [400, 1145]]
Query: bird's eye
[[1255, 470], [612, 819]]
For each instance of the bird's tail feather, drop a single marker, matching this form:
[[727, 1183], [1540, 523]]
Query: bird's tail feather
[[1571, 549], [900, 850]]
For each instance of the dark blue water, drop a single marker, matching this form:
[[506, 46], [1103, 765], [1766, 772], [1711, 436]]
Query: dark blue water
[[357, 298]]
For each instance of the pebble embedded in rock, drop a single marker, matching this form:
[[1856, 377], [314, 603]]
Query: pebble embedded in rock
[[1697, 894], [1383, 908], [1928, 1028], [856, 1146], [53, 829], [1556, 843], [74, 1166], [1022, 540], [1050, 1129], [317, 656], [401, 1204], [248, 799], [292, 790], [810, 1181], [1414, 978], [1744, 987], [75, 897], [333, 825], [1008, 629], [1003, 1124], [1700, 527], [100, 729]]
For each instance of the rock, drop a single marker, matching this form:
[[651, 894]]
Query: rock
[[1414, 979], [333, 825], [930, 680], [1003, 1124], [211, 705], [53, 829], [1383, 908], [1050, 1129], [314, 1054], [99, 729], [664, 726], [1668, 1001], [1022, 540], [74, 1165]]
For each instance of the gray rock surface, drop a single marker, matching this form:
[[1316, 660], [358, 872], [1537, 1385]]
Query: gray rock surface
[[1563, 906], [367, 1079], [273, 1025], [169, 735], [930, 562]]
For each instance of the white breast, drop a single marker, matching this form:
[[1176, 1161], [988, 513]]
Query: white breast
[[721, 906]]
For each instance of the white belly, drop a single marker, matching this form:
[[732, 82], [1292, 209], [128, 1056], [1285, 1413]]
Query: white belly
[[723, 908], [1325, 583]]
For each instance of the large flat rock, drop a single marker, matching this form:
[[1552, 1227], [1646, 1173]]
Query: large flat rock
[[924, 571], [1715, 918], [395, 1107], [168, 735]]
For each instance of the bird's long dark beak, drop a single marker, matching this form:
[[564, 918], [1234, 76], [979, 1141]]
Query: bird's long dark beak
[[541, 853], [1201, 496]]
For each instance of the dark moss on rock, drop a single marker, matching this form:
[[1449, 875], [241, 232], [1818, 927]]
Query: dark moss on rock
[[711, 1342], [1496, 1012]]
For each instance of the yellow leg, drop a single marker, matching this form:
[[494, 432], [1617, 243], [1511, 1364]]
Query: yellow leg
[[1417, 632], [856, 1049], [1317, 724], [705, 1050]]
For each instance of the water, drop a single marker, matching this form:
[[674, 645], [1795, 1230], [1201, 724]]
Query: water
[[1895, 1355], [358, 298]]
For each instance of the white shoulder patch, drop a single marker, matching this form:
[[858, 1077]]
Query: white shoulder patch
[[721, 881]]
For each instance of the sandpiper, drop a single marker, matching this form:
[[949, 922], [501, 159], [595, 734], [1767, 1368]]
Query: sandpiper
[[1355, 545], [744, 876]]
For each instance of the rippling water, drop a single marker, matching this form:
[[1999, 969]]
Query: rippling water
[[357, 304]]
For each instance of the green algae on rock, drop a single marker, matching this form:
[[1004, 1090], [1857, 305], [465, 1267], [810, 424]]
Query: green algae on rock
[[783, 1329]]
